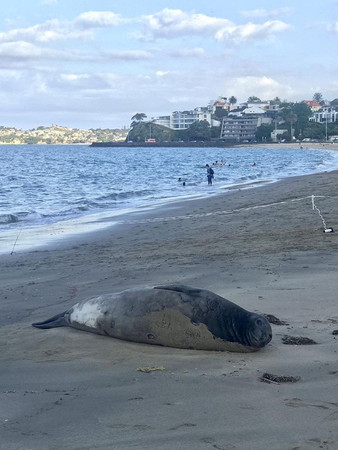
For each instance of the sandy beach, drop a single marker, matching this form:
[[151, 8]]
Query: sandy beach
[[262, 248]]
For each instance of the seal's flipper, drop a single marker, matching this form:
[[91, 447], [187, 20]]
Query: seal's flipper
[[60, 320]]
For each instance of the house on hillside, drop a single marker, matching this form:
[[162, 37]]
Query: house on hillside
[[334, 103], [258, 104], [222, 104], [325, 114], [313, 105]]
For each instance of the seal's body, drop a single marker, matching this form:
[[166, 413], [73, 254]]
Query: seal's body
[[173, 316]]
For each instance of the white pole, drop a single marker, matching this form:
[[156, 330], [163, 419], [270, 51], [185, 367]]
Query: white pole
[[326, 128]]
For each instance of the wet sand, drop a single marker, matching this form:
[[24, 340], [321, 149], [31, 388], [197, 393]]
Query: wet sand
[[262, 248]]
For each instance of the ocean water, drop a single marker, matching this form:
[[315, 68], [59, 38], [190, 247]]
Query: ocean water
[[45, 186]]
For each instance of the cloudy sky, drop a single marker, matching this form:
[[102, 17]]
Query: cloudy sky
[[95, 63]]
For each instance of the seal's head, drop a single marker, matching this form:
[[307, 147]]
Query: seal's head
[[258, 331]]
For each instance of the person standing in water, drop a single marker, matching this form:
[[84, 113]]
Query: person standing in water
[[210, 174]]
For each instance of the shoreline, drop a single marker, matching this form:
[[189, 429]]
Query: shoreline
[[263, 249], [220, 144], [24, 239], [41, 237]]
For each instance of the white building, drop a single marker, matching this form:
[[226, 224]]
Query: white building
[[326, 114], [181, 120], [258, 104], [163, 120], [254, 111], [277, 133]]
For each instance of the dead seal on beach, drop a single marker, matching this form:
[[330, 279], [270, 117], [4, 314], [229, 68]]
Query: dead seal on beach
[[172, 316]]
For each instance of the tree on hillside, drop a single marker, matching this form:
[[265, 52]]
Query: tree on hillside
[[220, 113], [297, 115], [253, 98], [314, 131], [303, 113], [317, 130], [232, 100], [276, 101], [286, 109], [142, 131], [198, 131], [292, 119], [318, 97], [137, 118], [286, 106], [263, 132]]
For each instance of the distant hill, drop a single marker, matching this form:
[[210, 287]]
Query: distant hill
[[56, 134]]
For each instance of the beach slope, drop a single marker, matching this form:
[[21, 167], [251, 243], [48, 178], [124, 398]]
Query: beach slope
[[261, 248]]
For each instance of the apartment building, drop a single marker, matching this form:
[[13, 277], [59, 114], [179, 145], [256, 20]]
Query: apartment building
[[181, 120], [241, 124], [239, 128]]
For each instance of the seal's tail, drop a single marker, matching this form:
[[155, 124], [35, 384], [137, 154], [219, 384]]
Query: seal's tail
[[60, 320]]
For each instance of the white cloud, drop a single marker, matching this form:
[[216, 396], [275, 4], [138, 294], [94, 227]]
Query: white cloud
[[332, 27], [242, 33], [144, 78], [265, 13], [127, 55], [13, 53], [196, 52], [53, 30], [19, 49], [171, 23], [179, 100], [64, 88], [74, 76], [98, 19], [78, 82], [162, 73], [262, 87], [168, 23]]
